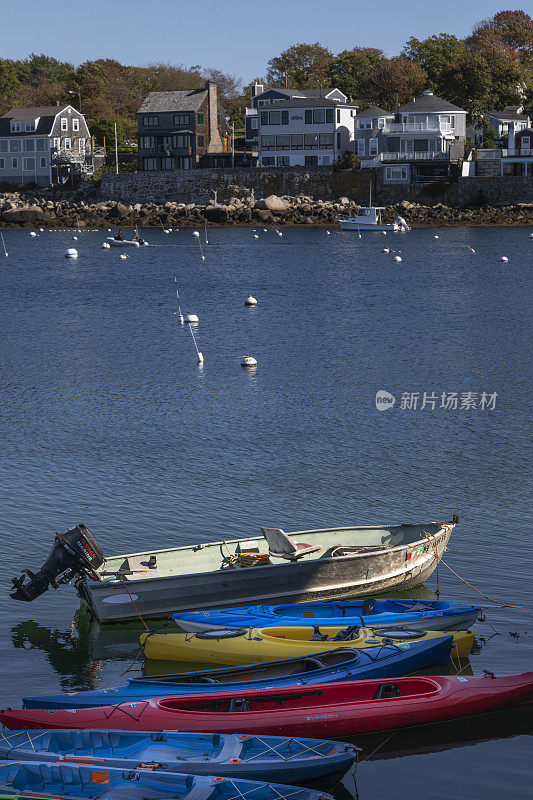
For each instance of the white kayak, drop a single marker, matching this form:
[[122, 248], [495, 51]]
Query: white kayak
[[123, 242]]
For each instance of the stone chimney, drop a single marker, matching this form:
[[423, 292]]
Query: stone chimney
[[214, 145]]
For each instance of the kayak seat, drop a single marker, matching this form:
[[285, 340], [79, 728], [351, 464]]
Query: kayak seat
[[386, 690], [238, 704], [351, 632], [312, 664], [281, 546]]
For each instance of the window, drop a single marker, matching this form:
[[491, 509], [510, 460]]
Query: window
[[181, 119], [339, 140], [381, 123], [359, 147], [28, 164], [264, 117], [373, 147], [14, 163], [283, 142], [284, 161], [268, 142], [311, 161], [40, 144], [30, 126], [14, 145], [330, 112], [148, 122], [147, 142], [200, 140], [219, 118], [319, 116], [64, 124], [167, 163], [308, 117], [274, 118], [326, 160], [15, 127], [4, 145], [338, 115], [149, 164], [56, 143], [68, 144], [268, 161], [254, 123], [311, 141], [525, 142], [326, 141], [81, 145], [42, 162], [29, 145], [297, 141], [263, 102], [396, 173], [75, 124], [2, 163], [200, 118]]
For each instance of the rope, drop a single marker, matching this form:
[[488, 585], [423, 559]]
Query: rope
[[134, 606], [378, 747], [438, 558]]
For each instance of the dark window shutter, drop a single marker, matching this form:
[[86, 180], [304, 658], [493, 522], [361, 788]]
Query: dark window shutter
[[308, 117], [264, 117], [329, 115], [284, 117]]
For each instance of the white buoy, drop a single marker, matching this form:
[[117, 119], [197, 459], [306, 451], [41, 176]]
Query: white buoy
[[165, 230], [71, 253], [192, 318], [435, 237], [265, 230], [249, 361], [397, 258], [531, 235], [384, 233], [256, 236], [200, 357], [33, 233], [106, 246], [74, 238], [328, 233], [279, 233], [196, 233], [123, 255], [250, 301], [386, 250], [109, 230], [504, 258], [42, 230]]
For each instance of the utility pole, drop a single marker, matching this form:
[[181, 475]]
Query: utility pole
[[232, 145], [78, 92], [116, 150]]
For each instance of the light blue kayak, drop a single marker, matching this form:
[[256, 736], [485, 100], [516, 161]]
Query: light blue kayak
[[343, 664], [429, 615], [73, 781], [272, 758]]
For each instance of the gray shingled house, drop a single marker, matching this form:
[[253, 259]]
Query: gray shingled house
[[44, 145], [183, 129]]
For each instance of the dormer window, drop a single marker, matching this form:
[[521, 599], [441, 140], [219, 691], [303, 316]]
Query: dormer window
[[30, 126], [15, 127]]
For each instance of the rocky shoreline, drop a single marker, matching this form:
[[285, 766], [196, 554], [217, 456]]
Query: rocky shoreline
[[84, 209]]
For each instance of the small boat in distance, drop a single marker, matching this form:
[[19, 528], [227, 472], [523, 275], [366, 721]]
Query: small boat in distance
[[368, 218], [125, 242]]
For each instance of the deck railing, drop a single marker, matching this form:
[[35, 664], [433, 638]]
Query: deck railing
[[419, 156], [418, 127]]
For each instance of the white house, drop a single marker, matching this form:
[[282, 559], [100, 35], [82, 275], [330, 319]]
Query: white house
[[43, 144], [305, 131]]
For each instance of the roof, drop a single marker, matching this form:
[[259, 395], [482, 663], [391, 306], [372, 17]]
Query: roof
[[180, 100], [322, 92], [429, 102], [45, 114], [375, 111], [507, 116], [298, 102]]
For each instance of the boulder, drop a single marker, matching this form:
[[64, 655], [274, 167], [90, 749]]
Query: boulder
[[272, 203], [262, 215], [24, 216], [216, 213]]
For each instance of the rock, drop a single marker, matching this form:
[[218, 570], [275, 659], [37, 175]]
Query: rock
[[24, 216], [216, 213], [262, 215], [272, 203], [344, 201]]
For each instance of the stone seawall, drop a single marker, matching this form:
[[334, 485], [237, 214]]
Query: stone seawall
[[319, 183]]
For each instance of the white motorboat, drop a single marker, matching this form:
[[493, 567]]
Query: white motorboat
[[368, 218], [124, 242]]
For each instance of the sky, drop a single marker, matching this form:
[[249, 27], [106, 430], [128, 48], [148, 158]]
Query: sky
[[236, 36]]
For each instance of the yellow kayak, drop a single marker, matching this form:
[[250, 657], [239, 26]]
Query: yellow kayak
[[234, 647]]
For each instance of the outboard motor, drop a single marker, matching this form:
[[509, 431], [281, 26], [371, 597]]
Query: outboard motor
[[75, 554], [402, 224]]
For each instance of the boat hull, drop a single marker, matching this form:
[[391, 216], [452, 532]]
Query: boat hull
[[355, 575], [122, 243], [352, 225], [380, 661], [341, 709]]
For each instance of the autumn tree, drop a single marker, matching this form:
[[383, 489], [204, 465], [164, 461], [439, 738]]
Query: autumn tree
[[305, 66], [510, 32], [393, 82], [434, 55], [351, 67]]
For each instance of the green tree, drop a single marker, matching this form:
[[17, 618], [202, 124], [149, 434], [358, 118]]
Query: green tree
[[349, 68], [37, 70], [305, 66], [393, 82], [103, 130], [8, 85], [434, 54], [479, 82]]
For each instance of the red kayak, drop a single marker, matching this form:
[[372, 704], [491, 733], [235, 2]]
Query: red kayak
[[332, 709]]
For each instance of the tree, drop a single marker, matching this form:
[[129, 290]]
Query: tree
[[393, 82], [37, 70], [434, 54], [510, 32], [349, 68], [103, 129], [8, 85], [479, 82], [305, 66]]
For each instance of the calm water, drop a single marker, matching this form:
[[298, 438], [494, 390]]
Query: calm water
[[105, 418]]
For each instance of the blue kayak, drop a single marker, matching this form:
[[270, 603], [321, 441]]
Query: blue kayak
[[429, 615], [344, 664], [73, 781], [270, 758]]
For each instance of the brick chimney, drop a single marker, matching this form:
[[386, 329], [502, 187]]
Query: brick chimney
[[214, 144]]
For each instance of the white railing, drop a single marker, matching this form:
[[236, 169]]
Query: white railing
[[517, 151], [420, 156], [417, 127]]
